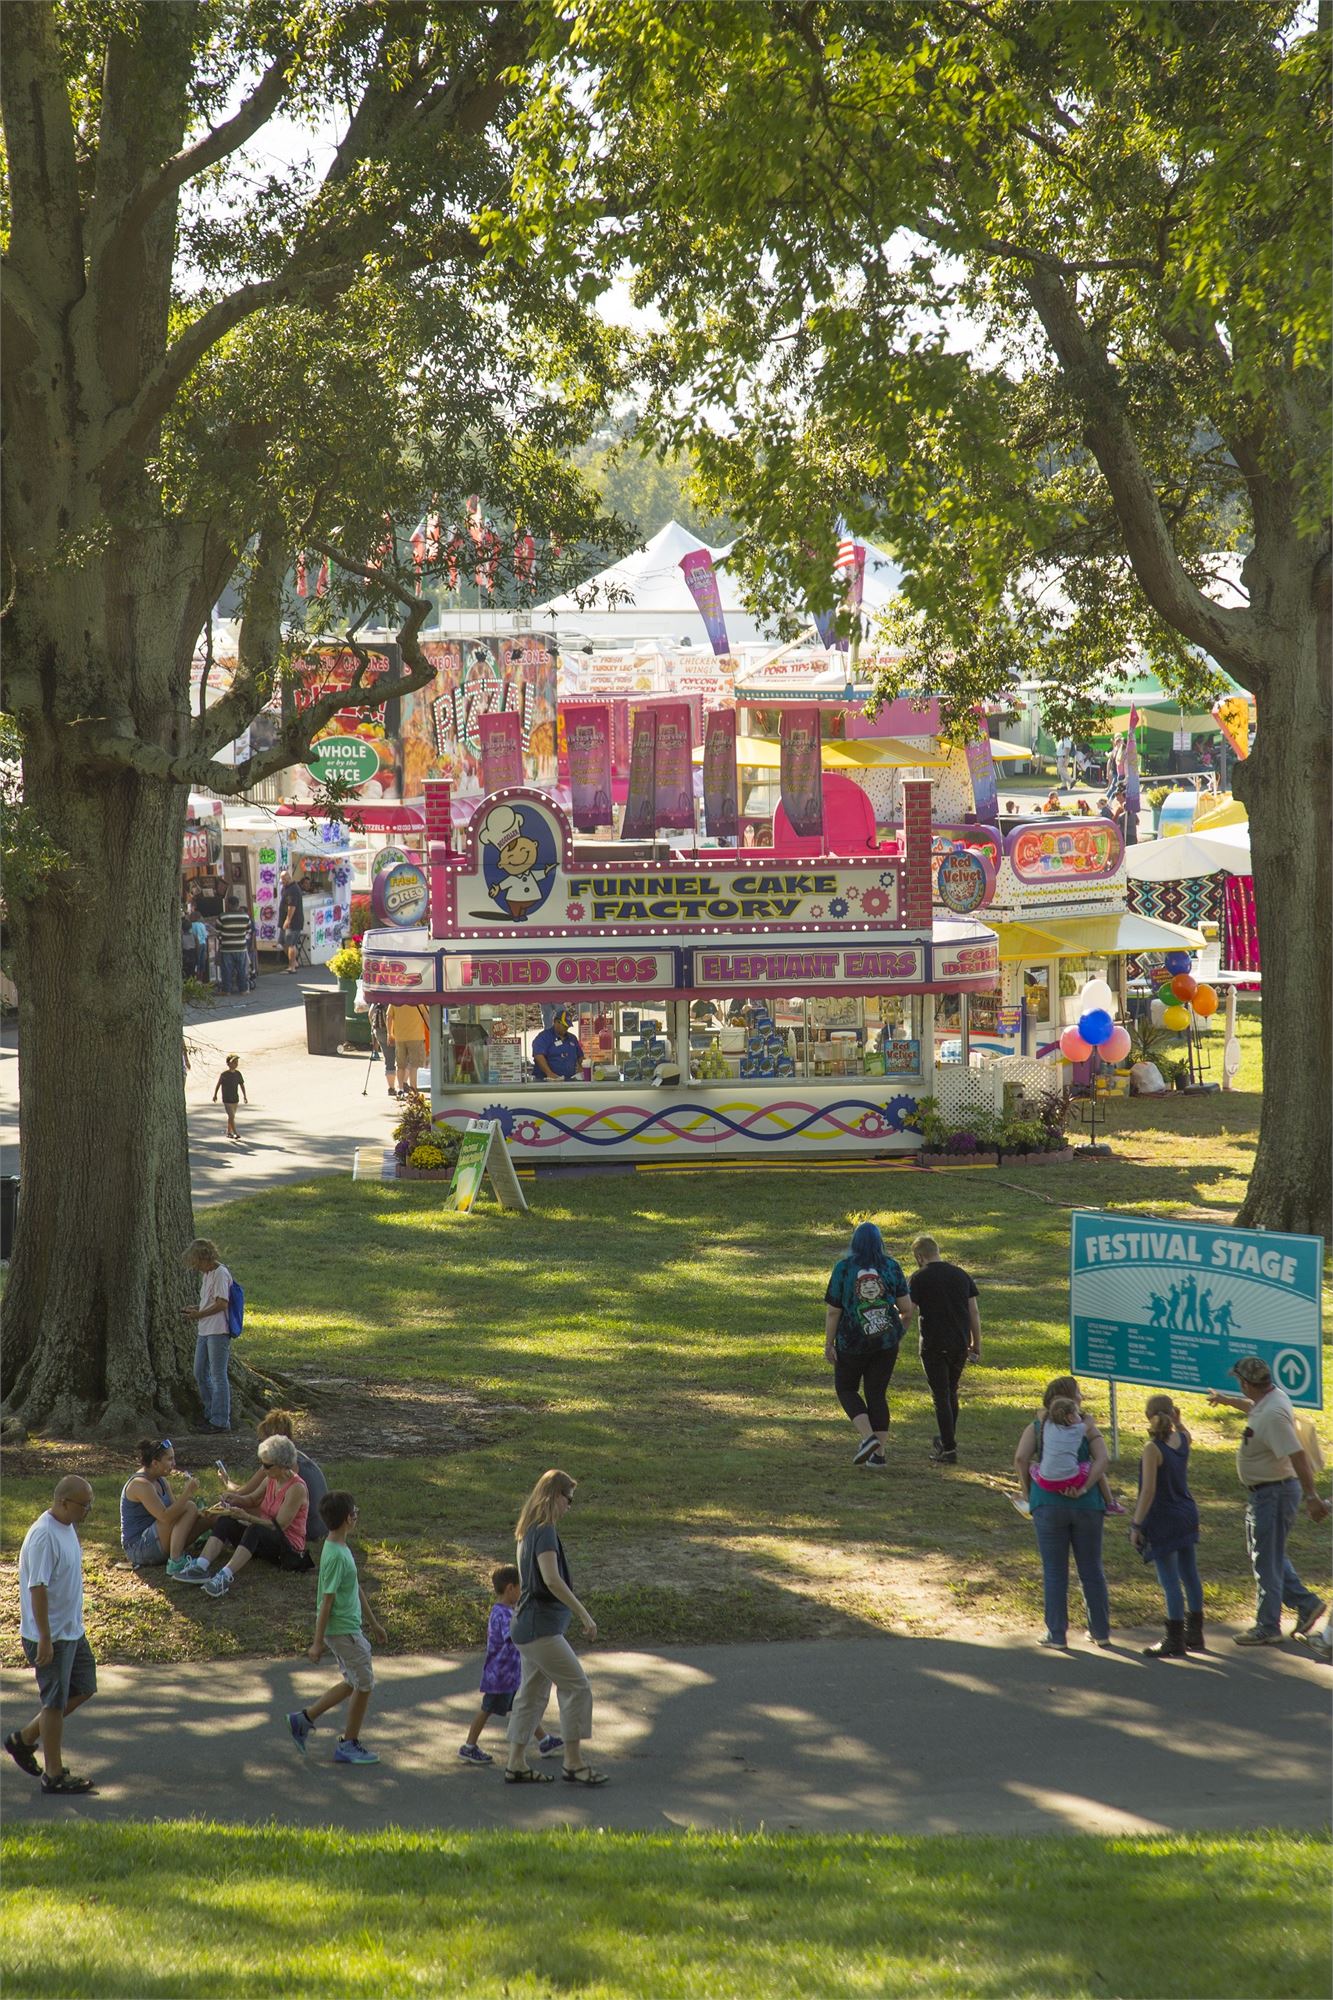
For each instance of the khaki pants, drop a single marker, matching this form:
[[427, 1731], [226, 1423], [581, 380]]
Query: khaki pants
[[409, 1058], [551, 1663]]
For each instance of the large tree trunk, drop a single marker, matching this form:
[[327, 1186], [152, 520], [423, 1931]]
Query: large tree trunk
[[93, 1332], [1285, 784]]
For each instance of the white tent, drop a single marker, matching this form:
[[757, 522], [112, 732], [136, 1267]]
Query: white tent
[[643, 599], [1226, 851]]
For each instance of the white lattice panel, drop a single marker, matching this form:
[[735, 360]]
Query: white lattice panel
[[961, 1091], [1037, 1077]]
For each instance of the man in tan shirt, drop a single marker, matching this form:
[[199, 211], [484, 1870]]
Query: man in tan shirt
[[1275, 1471]]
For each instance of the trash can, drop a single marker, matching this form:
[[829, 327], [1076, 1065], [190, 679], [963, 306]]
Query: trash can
[[325, 1029], [9, 1214]]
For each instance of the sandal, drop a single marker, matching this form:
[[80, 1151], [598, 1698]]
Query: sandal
[[529, 1778], [67, 1782], [585, 1775], [23, 1755]]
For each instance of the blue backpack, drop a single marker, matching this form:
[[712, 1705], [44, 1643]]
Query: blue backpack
[[235, 1311]]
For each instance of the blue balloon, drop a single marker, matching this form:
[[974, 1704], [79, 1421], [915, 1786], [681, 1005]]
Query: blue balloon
[[1096, 1027], [1176, 961]]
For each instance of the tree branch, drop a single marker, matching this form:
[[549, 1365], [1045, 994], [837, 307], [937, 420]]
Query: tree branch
[[1090, 378]]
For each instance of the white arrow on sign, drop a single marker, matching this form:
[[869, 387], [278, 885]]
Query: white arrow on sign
[[1292, 1371]]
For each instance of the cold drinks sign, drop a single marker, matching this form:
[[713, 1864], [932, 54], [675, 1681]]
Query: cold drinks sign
[[1175, 1304]]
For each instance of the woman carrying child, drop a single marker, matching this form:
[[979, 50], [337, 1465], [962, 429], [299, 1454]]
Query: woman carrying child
[[545, 1605], [1068, 1519], [1165, 1529]]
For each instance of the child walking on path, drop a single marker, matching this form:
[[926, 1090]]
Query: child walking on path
[[1165, 1529], [232, 1085], [501, 1671], [342, 1606]]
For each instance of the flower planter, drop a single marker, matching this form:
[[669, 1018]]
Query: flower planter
[[942, 1159], [1037, 1158], [406, 1173]]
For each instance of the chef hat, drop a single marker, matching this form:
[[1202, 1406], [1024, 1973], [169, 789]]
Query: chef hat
[[500, 826]]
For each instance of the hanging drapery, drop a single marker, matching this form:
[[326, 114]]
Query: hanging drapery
[[1240, 936]]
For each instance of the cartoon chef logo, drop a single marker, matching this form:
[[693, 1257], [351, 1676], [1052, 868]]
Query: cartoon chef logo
[[518, 862]]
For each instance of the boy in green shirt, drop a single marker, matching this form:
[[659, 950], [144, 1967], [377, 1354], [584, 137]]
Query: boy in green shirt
[[342, 1604]]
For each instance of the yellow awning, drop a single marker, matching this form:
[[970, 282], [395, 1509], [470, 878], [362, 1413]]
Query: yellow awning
[[1010, 753], [1228, 813], [1113, 934], [1025, 941], [867, 753]]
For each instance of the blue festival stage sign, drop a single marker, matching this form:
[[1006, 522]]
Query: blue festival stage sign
[[1174, 1304]]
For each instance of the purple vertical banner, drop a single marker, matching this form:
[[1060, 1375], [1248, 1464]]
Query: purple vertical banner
[[828, 631], [981, 767], [675, 771], [501, 737], [1129, 768], [588, 739], [639, 822], [701, 577], [802, 773], [721, 805]]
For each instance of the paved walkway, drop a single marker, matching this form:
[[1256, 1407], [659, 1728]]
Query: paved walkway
[[868, 1735]]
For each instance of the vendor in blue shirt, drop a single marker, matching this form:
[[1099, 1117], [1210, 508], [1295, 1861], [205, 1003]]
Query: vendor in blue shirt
[[557, 1053]]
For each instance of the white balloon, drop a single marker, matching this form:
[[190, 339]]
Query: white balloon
[[1157, 1012], [1096, 993]]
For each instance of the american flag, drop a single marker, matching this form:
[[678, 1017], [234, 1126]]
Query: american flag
[[846, 556]]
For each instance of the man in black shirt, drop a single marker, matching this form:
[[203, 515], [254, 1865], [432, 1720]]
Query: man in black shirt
[[946, 1299], [291, 919]]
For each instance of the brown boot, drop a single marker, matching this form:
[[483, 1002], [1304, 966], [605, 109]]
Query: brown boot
[[1172, 1647], [1194, 1632]]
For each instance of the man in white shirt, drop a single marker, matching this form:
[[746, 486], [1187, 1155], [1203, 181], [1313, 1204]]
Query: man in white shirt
[[1275, 1471], [52, 1634]]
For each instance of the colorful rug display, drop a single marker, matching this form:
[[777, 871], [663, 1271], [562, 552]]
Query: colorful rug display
[[1195, 901], [1240, 932]]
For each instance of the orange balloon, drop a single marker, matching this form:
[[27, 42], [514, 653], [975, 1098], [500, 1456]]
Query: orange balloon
[[1184, 986], [1204, 1001]]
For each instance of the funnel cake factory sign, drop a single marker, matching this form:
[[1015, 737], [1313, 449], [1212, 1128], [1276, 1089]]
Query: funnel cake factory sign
[[519, 878]]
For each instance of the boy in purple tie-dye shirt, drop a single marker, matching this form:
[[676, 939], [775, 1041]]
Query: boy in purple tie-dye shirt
[[502, 1671]]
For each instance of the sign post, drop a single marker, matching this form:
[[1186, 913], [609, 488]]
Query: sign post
[[483, 1152], [1174, 1304]]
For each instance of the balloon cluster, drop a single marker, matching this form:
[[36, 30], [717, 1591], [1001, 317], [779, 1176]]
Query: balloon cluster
[[1097, 1027], [1180, 994]]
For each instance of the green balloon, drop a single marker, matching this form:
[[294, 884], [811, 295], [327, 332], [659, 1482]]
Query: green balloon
[[1167, 996]]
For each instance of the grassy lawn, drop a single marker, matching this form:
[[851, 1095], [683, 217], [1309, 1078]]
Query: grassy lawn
[[660, 1336], [617, 1917]]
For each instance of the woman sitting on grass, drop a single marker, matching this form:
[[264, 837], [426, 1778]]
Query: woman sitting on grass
[[266, 1518], [154, 1527]]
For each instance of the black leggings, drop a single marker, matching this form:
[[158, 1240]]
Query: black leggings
[[270, 1543], [875, 1371]]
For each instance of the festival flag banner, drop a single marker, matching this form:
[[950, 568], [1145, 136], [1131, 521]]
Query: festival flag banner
[[721, 805], [801, 773], [1232, 716], [587, 730], [1129, 766], [639, 822], [674, 774], [501, 735], [701, 577], [981, 767]]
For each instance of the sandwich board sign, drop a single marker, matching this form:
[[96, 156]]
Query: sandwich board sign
[[483, 1152], [1175, 1304]]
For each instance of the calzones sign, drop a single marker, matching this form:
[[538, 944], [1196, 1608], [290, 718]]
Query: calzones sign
[[1175, 1304]]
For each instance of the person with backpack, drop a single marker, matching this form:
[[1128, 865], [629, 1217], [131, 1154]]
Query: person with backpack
[[213, 1316], [867, 1310]]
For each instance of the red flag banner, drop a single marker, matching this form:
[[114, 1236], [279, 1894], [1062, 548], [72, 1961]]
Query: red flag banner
[[501, 735], [639, 822], [801, 773], [675, 771], [721, 805], [587, 729]]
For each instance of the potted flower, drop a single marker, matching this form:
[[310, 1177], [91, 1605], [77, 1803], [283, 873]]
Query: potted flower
[[425, 1162], [345, 965]]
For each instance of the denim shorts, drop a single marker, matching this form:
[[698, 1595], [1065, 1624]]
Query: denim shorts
[[146, 1549], [497, 1704], [71, 1670]]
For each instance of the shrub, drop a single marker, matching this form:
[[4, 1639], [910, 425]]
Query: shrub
[[346, 962], [426, 1157]]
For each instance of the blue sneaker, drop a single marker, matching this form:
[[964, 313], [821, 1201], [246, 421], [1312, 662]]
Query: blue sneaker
[[219, 1585], [300, 1725], [472, 1753], [549, 1745], [349, 1751], [195, 1571]]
